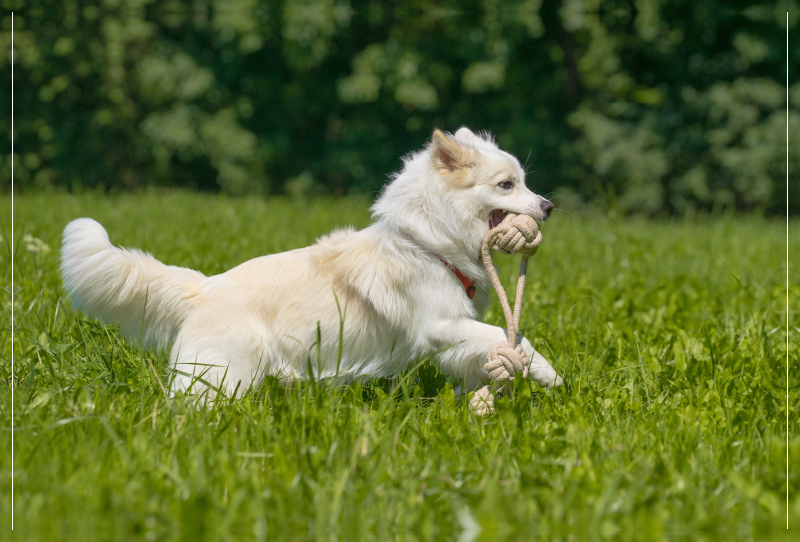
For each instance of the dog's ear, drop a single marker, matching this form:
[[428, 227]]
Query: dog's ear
[[448, 154], [465, 134]]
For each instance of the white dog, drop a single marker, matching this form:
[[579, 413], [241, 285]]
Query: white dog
[[401, 289]]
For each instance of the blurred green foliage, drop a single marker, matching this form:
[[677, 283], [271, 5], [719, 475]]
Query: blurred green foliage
[[647, 106]]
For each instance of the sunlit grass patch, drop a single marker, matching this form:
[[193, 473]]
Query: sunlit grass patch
[[670, 336]]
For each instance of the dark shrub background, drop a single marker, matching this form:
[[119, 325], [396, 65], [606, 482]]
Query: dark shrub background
[[646, 107]]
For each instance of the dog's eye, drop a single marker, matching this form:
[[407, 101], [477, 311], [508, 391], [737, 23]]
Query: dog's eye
[[507, 185]]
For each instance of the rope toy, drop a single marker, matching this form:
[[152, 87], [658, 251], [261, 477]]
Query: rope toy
[[516, 234]]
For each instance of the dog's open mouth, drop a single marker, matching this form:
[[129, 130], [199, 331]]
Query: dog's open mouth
[[496, 218]]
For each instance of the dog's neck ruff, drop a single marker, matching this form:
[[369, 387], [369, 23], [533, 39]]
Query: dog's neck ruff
[[469, 284]]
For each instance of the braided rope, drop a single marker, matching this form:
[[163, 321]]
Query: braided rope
[[516, 234]]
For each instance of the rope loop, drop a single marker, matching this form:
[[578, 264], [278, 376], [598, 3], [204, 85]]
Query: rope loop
[[516, 234]]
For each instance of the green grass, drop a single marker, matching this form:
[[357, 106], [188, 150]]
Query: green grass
[[670, 336]]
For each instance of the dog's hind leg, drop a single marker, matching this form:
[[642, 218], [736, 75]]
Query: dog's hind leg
[[207, 368]]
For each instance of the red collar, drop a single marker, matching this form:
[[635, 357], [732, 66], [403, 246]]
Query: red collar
[[469, 284]]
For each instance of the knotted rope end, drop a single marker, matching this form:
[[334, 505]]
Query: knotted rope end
[[482, 403], [516, 234]]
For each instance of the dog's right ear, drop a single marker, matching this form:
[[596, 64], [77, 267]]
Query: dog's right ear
[[465, 134], [448, 154]]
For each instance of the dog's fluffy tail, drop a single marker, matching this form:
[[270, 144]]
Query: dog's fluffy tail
[[149, 299]]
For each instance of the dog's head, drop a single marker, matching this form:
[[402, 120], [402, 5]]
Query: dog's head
[[451, 193], [483, 180]]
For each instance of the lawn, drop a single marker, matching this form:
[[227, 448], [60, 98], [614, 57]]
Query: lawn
[[670, 336]]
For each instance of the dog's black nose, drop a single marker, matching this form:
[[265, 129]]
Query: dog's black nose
[[547, 206]]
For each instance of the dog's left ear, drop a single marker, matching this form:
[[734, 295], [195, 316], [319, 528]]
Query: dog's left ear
[[448, 154]]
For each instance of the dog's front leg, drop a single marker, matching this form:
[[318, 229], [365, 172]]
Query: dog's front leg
[[540, 369], [465, 346]]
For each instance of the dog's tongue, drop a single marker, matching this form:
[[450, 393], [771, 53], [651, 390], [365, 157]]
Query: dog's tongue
[[496, 218]]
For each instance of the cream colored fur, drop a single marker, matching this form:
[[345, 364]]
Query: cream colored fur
[[400, 303]]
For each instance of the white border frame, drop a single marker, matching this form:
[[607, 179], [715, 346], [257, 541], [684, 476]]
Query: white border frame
[[12, 271], [787, 270]]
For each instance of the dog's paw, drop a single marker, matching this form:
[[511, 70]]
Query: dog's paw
[[540, 369]]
